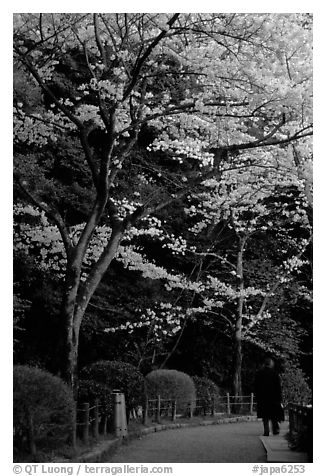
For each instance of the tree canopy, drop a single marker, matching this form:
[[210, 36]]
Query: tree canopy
[[166, 158]]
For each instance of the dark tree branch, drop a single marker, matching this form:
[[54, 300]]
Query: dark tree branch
[[84, 133], [87, 58], [41, 26], [98, 39], [46, 89], [114, 310], [51, 212], [107, 153], [189, 106], [87, 289], [265, 141], [45, 121], [139, 64]]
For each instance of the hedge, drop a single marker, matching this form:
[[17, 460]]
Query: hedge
[[206, 390], [117, 375], [43, 408], [90, 390], [295, 387], [172, 384]]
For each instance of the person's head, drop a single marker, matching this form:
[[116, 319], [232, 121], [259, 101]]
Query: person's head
[[269, 363]]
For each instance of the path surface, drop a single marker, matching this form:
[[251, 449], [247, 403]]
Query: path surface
[[225, 443]]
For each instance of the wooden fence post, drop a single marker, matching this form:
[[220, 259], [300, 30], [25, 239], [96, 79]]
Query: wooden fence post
[[145, 411], [251, 404], [105, 425], [158, 409], [228, 406], [31, 436], [74, 428], [96, 420], [213, 406], [85, 422], [174, 410]]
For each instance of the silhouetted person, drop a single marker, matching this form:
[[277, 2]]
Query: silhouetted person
[[269, 397]]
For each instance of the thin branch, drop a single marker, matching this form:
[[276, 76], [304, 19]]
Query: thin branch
[[97, 270], [139, 64], [103, 112], [176, 343], [108, 308], [89, 155], [288, 67], [188, 106], [41, 26], [113, 213], [98, 39], [170, 353], [46, 89], [215, 255], [54, 35], [262, 142], [45, 121], [51, 212], [87, 59], [107, 153], [266, 298], [272, 290], [224, 317]]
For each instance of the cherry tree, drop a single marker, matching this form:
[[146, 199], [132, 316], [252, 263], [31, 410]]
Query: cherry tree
[[210, 87], [248, 202]]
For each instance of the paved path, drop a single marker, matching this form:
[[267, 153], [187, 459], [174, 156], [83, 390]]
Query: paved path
[[225, 443], [278, 451]]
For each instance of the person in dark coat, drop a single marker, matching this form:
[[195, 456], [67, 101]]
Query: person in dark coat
[[269, 397]]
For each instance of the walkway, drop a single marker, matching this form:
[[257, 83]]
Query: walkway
[[225, 443]]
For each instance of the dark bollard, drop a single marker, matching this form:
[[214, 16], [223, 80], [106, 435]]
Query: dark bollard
[[119, 416]]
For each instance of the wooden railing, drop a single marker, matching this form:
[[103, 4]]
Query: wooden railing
[[158, 408], [301, 427], [92, 420]]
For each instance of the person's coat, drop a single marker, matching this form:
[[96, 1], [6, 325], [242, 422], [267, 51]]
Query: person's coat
[[269, 395]]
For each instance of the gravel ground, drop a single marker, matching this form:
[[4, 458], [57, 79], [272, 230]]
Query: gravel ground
[[225, 443]]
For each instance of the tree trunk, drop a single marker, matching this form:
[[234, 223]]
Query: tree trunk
[[75, 301], [237, 364], [71, 340], [71, 331], [237, 347]]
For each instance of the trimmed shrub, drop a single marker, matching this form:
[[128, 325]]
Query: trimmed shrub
[[172, 384], [206, 390], [43, 408], [90, 390], [117, 375], [295, 386]]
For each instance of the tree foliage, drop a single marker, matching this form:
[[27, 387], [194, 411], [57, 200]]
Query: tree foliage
[[176, 146]]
